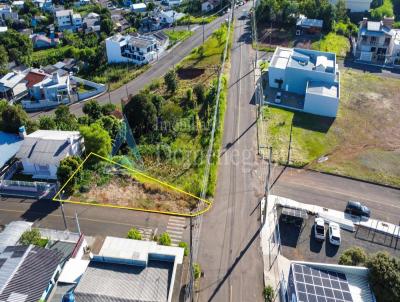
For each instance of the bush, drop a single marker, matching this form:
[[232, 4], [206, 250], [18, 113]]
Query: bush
[[164, 239], [353, 256], [134, 234], [185, 248], [385, 10], [196, 271], [171, 81], [269, 293], [33, 237]]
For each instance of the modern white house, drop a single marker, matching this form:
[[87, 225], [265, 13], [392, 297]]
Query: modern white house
[[13, 86], [91, 23], [68, 20], [138, 7], [309, 73], [355, 6], [139, 49], [378, 43], [42, 151]]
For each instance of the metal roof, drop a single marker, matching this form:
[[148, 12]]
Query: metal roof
[[9, 146], [322, 88], [25, 272], [12, 232], [305, 22]]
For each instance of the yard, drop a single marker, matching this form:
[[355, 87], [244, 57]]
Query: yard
[[332, 42], [176, 36], [362, 142]]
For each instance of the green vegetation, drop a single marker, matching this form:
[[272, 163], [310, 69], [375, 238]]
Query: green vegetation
[[269, 293], [33, 237], [164, 239], [384, 272], [97, 140], [18, 46], [185, 247], [358, 143], [13, 116], [177, 36], [196, 271], [68, 166], [385, 10], [188, 20], [332, 42], [134, 234]]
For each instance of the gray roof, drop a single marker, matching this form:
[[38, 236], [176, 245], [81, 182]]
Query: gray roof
[[25, 272], [322, 88], [12, 232], [107, 282], [63, 247], [305, 22], [374, 26]]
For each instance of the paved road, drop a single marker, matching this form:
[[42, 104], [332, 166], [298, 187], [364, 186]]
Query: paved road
[[229, 249], [157, 70], [334, 192], [93, 220]]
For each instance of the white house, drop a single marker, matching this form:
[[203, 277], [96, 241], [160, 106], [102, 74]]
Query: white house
[[42, 151], [68, 20], [139, 49], [18, 4], [139, 7], [13, 86], [53, 88], [6, 13], [172, 3], [209, 5], [355, 5], [169, 17]]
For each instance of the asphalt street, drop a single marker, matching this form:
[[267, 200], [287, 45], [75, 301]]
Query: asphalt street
[[157, 70], [334, 192], [229, 249]]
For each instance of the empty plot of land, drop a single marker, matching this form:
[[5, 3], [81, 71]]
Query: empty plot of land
[[362, 142]]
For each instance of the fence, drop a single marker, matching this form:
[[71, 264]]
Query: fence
[[26, 188], [97, 88], [11, 171], [383, 236]]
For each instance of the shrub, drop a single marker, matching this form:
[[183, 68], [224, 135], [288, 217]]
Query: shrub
[[196, 271], [134, 234], [353, 256], [171, 81], [185, 248], [164, 239], [33, 237], [269, 293]]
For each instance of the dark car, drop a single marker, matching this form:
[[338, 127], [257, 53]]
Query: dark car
[[358, 209]]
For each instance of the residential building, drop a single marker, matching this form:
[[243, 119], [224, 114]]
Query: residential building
[[328, 282], [9, 146], [378, 42], [139, 49], [41, 41], [54, 88], [172, 3], [305, 26], [130, 271], [13, 86], [42, 151], [91, 23], [13, 232], [309, 73], [7, 13], [139, 7], [68, 20], [210, 5], [27, 273], [18, 4], [355, 6], [82, 3], [169, 17], [48, 6]]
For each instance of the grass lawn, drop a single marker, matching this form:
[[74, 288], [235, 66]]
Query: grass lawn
[[177, 35], [332, 42], [187, 20], [362, 142]]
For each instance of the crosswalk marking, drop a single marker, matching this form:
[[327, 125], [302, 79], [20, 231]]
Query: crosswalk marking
[[147, 233], [175, 229]]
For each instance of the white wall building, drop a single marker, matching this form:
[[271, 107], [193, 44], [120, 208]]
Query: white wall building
[[209, 5], [355, 5], [138, 49], [68, 20], [42, 151], [6, 13]]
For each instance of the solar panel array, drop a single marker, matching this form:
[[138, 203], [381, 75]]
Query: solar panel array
[[318, 285]]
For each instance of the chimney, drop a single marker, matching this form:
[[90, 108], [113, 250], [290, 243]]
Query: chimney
[[22, 132], [388, 21]]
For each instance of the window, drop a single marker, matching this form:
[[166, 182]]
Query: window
[[387, 41]]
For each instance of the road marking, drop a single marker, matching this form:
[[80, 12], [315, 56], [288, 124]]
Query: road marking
[[177, 224], [175, 228], [172, 232]]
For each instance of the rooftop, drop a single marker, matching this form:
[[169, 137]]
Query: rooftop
[[64, 12], [33, 77], [305, 22], [138, 5], [323, 89], [12, 232], [9, 146], [11, 79], [312, 60]]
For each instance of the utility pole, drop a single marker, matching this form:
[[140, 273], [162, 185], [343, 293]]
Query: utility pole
[[77, 223], [62, 210]]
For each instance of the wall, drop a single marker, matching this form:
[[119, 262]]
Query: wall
[[276, 74], [296, 79], [321, 105], [99, 88]]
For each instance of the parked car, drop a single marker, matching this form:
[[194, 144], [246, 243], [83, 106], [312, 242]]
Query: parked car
[[319, 229], [357, 208], [278, 97], [334, 233]]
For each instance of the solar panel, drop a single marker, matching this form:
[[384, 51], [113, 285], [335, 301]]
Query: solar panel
[[315, 285]]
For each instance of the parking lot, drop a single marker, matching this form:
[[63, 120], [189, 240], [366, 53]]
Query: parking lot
[[298, 242]]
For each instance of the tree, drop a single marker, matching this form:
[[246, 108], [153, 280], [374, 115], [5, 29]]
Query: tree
[[141, 114], [3, 60], [185, 247], [108, 108], [111, 124], [32, 237], [13, 117], [93, 109], [353, 256], [384, 275], [134, 234], [164, 239], [18, 46], [269, 293], [171, 81], [47, 123], [341, 11], [170, 114], [96, 140], [64, 119], [107, 26], [150, 6], [65, 170], [200, 93]]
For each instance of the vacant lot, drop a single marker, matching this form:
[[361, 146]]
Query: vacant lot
[[362, 142], [332, 42]]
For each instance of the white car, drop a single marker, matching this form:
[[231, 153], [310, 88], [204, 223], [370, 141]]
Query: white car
[[278, 97], [319, 229], [334, 233]]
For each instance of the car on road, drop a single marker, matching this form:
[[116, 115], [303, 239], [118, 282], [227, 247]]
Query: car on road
[[278, 97], [319, 229], [358, 209], [334, 233]]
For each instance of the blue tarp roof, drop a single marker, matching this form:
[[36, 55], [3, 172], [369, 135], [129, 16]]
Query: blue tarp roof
[[9, 146]]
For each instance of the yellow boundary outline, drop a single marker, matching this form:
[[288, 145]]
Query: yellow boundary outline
[[57, 196]]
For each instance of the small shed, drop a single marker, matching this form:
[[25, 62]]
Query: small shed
[[305, 26]]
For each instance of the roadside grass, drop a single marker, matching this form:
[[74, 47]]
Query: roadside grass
[[189, 20], [185, 163], [177, 36], [362, 142], [332, 42]]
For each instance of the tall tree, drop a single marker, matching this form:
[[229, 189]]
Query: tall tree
[[96, 139], [68, 166], [171, 81], [13, 117], [93, 109]]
